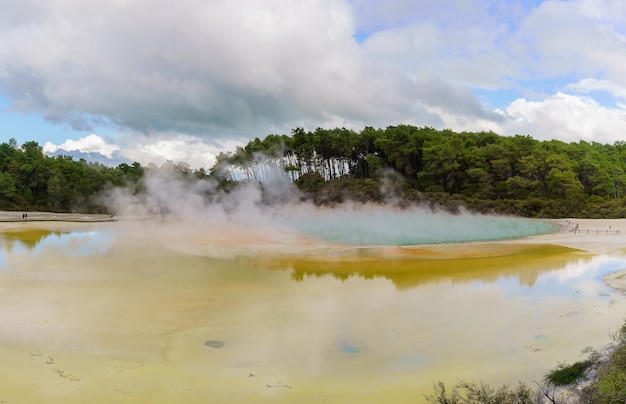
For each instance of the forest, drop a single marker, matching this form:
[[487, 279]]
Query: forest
[[481, 171]]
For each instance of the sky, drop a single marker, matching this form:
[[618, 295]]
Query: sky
[[156, 80]]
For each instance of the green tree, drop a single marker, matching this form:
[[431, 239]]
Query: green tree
[[7, 190], [57, 193], [443, 158]]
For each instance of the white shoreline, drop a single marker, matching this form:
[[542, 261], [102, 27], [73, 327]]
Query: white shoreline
[[597, 236]]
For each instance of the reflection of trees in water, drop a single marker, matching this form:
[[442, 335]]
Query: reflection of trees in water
[[28, 238], [524, 262]]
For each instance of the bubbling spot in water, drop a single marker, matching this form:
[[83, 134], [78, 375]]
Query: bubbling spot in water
[[413, 227]]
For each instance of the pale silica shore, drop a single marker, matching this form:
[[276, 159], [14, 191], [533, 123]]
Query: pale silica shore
[[6, 216], [597, 236]]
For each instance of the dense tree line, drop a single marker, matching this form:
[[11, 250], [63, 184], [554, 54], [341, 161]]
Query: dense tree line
[[481, 170], [30, 180]]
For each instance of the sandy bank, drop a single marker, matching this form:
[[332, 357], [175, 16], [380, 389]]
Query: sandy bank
[[598, 236], [6, 216]]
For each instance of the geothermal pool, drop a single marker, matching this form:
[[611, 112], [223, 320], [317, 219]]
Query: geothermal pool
[[110, 312], [372, 226]]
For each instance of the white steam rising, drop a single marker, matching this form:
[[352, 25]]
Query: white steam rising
[[197, 209], [270, 212]]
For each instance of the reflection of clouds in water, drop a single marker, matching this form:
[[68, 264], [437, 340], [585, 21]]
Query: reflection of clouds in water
[[575, 288], [74, 243], [91, 243], [372, 320], [575, 279], [583, 276], [598, 266]]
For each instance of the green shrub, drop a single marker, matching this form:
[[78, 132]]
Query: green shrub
[[564, 375], [610, 384]]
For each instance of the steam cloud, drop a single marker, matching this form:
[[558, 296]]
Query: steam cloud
[[273, 213]]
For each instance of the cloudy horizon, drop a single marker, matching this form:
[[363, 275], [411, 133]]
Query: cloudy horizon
[[153, 80]]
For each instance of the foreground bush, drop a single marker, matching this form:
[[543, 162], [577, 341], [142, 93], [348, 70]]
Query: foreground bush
[[561, 385], [609, 387], [480, 393], [564, 375]]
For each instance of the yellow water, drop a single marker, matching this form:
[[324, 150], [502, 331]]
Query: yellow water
[[94, 314]]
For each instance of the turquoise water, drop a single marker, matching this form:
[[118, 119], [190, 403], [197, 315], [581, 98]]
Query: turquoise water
[[412, 227]]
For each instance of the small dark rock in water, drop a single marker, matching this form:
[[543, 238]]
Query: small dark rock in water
[[214, 344]]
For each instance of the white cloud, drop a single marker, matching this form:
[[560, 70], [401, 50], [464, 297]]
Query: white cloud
[[88, 144], [592, 84], [158, 149], [179, 77], [566, 117], [584, 37]]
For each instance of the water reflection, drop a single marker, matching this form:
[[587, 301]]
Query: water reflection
[[372, 313], [340, 325], [408, 268], [34, 240], [28, 239]]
